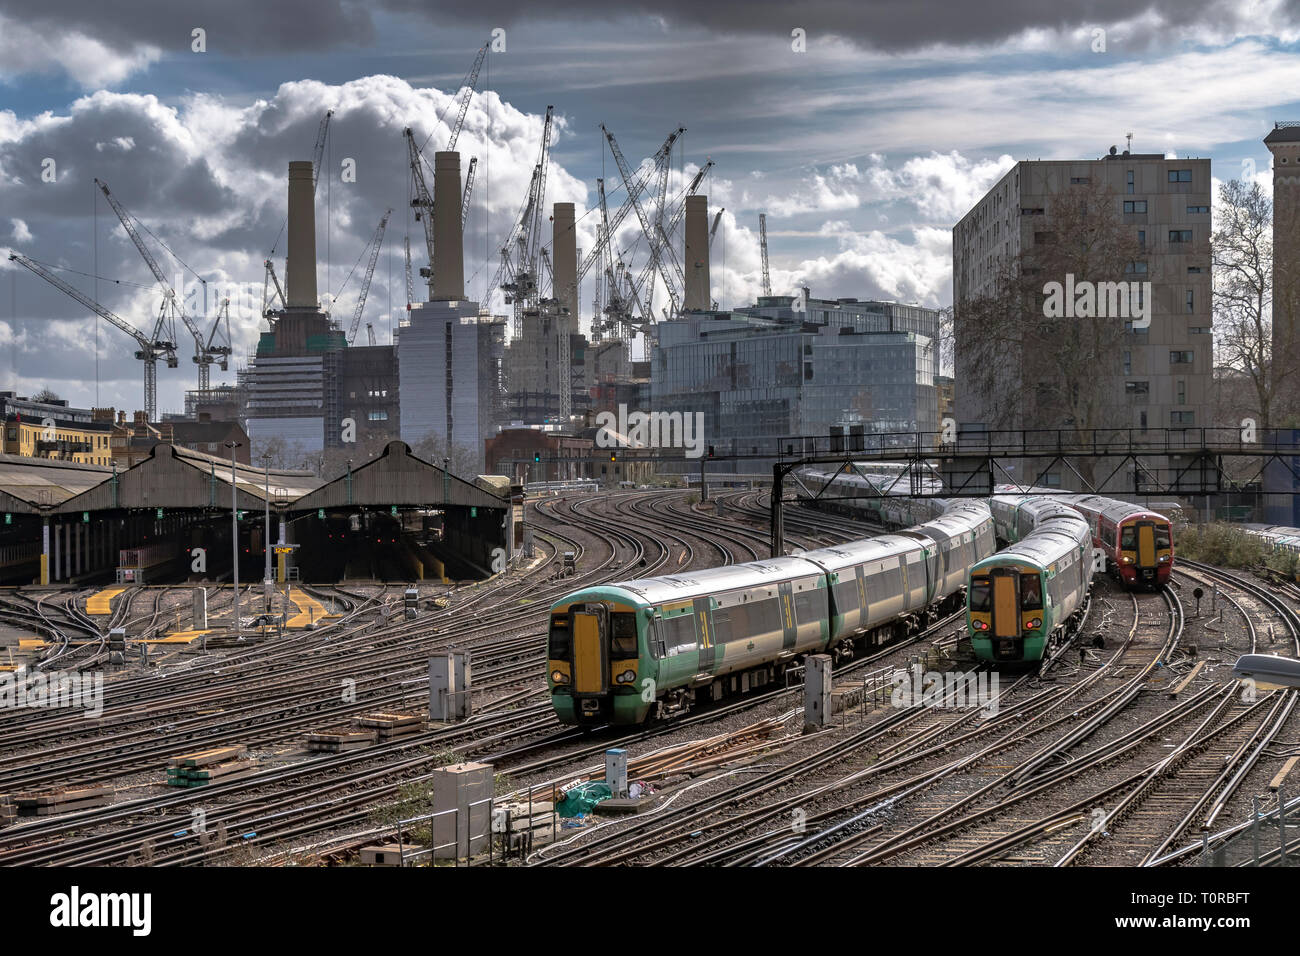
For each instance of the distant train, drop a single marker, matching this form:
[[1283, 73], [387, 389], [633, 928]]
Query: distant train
[[1025, 598], [1138, 544], [621, 653]]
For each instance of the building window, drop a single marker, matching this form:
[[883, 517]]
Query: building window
[[1137, 389], [1027, 211], [1142, 419], [1142, 237], [1051, 481], [1129, 187], [378, 415], [1138, 268], [1194, 270], [1182, 392], [1180, 235], [1180, 175], [1128, 362], [1182, 418], [1080, 180], [1181, 358], [1135, 205], [1198, 209], [1191, 301]]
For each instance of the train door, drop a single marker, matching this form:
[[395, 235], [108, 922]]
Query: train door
[[702, 619], [1146, 540], [1006, 602], [590, 657], [789, 629]]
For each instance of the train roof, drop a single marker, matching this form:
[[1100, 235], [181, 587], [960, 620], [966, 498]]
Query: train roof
[[689, 584], [1045, 546], [851, 553], [1112, 508]]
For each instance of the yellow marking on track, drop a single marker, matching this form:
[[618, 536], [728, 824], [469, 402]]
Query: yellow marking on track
[[102, 602], [309, 609], [32, 643], [176, 637]]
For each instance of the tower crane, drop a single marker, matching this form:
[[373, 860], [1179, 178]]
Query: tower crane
[[160, 344], [410, 283], [208, 350], [376, 242], [469, 189], [762, 245], [519, 253], [652, 235]]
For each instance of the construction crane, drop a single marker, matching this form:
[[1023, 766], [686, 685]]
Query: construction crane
[[652, 235], [375, 243], [160, 344], [421, 202], [271, 279], [469, 189], [660, 158], [519, 253], [410, 283], [318, 152], [663, 239], [466, 94], [713, 230], [207, 350], [762, 245]]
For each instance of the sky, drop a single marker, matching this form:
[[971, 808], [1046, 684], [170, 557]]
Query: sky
[[864, 132]]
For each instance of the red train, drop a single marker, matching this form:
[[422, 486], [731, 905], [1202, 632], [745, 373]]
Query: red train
[[1138, 544]]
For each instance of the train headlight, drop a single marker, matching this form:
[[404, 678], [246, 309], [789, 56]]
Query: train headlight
[[1164, 559], [979, 625], [1127, 559], [1035, 624], [559, 677], [626, 677]]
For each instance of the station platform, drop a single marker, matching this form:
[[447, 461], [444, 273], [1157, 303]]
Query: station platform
[[309, 610]]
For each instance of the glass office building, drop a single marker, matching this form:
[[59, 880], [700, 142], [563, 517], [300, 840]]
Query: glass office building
[[771, 372]]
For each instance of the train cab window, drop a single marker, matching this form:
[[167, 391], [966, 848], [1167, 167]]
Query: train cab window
[[1162, 536], [1031, 596], [622, 635], [560, 641], [1128, 538], [981, 594]]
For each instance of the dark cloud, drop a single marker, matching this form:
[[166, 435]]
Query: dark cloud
[[232, 26], [877, 24]]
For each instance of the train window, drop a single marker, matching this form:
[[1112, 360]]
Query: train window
[[560, 639], [1162, 536], [980, 594], [622, 635], [678, 633], [805, 607], [1128, 538], [1031, 592]]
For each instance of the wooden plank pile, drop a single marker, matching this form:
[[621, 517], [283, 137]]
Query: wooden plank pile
[[50, 802], [341, 739], [206, 767], [391, 725]]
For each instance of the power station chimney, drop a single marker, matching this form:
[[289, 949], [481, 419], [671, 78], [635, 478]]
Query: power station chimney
[[697, 254], [564, 238], [448, 241], [300, 257]]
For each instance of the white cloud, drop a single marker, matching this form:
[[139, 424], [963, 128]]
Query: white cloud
[[85, 59], [20, 231]]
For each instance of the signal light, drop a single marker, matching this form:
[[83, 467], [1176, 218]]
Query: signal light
[[710, 451], [537, 456], [613, 456]]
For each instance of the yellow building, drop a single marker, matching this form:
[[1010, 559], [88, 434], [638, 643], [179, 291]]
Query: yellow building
[[55, 430]]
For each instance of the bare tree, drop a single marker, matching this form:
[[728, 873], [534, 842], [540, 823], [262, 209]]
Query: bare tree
[[47, 395], [464, 462], [1242, 255]]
